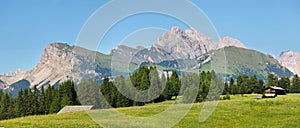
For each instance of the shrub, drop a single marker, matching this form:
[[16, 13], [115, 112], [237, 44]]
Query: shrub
[[226, 97]]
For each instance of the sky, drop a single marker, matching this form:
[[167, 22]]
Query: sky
[[28, 26]]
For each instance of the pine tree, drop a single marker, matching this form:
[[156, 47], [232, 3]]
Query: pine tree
[[10, 112], [295, 88], [205, 83], [42, 102], [226, 88], [284, 82], [56, 103], [216, 87], [155, 86], [108, 92], [88, 92], [261, 86], [253, 85], [26, 105], [29, 98], [49, 98], [35, 100], [6, 108], [243, 84], [168, 91], [122, 101], [68, 93], [175, 83], [144, 84], [272, 80], [18, 106], [232, 86], [188, 94], [163, 86]]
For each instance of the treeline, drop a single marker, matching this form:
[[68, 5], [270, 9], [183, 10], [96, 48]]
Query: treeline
[[139, 81], [250, 84], [290, 85], [37, 101], [244, 85], [147, 85]]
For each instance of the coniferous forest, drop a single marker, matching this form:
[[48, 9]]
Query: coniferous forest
[[38, 101], [47, 100]]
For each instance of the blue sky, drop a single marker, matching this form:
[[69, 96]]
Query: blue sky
[[27, 26]]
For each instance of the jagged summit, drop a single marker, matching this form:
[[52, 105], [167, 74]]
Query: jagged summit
[[291, 60], [229, 41], [190, 44]]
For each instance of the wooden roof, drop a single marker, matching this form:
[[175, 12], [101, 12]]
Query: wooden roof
[[275, 88], [74, 109]]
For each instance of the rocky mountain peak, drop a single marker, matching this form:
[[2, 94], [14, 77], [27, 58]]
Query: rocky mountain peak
[[229, 41], [190, 44], [288, 52], [290, 60], [18, 72], [56, 52], [178, 44], [54, 66], [176, 30]]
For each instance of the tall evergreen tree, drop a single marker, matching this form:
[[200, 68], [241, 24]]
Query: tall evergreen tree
[[226, 88], [56, 103], [88, 92], [261, 86], [26, 105], [175, 83], [49, 98], [168, 91], [35, 101], [284, 82], [272, 80], [68, 93], [6, 108], [253, 85], [295, 88], [243, 84], [19, 104], [122, 101], [42, 102], [156, 86], [233, 88]]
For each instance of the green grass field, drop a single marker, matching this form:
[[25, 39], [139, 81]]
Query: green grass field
[[283, 111]]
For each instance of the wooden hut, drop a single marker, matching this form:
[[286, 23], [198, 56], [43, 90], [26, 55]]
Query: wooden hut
[[275, 90]]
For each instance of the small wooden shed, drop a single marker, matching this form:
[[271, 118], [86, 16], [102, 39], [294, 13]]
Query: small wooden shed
[[75, 109], [275, 90]]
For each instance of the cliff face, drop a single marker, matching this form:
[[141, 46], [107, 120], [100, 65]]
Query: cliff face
[[291, 60], [58, 63], [54, 66]]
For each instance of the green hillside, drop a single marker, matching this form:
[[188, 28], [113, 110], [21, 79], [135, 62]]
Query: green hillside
[[230, 61], [245, 61], [245, 111]]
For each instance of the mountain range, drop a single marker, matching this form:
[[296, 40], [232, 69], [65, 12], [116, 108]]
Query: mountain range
[[188, 50]]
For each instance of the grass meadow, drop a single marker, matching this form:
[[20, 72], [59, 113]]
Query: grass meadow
[[240, 111]]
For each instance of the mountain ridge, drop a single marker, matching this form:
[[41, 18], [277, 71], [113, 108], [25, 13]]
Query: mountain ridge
[[60, 61]]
